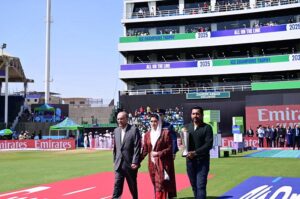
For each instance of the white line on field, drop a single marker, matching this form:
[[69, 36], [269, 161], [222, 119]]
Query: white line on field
[[27, 191], [78, 191]]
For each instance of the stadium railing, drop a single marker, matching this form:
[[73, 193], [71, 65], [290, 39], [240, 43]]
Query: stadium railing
[[186, 90], [204, 10]]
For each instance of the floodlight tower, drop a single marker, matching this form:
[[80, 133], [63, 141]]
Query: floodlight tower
[[47, 64]]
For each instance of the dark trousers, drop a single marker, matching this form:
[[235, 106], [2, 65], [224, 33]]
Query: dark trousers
[[268, 142], [197, 170], [261, 142], [130, 176], [296, 141], [273, 143]]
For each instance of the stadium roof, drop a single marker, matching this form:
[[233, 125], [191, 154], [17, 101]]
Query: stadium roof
[[16, 72]]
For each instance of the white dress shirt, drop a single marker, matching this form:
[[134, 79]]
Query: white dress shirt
[[123, 131]]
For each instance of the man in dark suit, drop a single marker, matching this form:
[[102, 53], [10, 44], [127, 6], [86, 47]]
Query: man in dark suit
[[250, 132], [296, 137], [126, 153], [198, 158]]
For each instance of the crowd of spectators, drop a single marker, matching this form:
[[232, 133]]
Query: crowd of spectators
[[194, 28], [141, 118], [223, 6], [137, 33], [276, 136], [205, 7]]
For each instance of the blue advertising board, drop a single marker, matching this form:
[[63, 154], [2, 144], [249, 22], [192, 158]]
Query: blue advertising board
[[265, 187], [247, 31], [164, 65], [236, 129]]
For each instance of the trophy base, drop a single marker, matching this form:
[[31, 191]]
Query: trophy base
[[184, 153]]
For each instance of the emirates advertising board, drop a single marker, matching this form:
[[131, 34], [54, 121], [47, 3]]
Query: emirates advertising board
[[37, 144], [286, 115]]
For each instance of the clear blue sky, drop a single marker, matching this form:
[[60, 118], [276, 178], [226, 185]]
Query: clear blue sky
[[84, 39]]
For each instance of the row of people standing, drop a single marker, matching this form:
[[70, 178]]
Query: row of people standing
[[158, 146], [99, 140], [278, 136]]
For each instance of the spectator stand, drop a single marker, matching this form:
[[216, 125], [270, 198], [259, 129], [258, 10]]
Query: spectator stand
[[141, 119]]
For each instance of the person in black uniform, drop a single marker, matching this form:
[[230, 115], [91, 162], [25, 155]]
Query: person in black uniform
[[198, 158]]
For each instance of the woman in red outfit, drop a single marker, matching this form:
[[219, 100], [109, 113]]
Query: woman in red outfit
[[158, 147]]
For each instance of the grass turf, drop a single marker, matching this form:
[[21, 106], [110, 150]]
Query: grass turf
[[31, 168]]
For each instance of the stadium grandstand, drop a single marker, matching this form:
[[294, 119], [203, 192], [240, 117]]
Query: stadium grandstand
[[237, 56], [15, 102]]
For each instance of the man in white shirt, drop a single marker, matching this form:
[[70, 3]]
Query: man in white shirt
[[126, 153], [261, 135]]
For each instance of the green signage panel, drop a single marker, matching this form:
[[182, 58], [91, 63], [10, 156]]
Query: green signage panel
[[275, 85], [238, 121], [252, 60], [157, 38], [208, 95], [212, 117]]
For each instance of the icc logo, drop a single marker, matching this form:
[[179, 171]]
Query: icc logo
[[268, 192]]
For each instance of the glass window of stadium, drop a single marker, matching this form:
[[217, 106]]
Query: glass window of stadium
[[271, 21], [138, 32], [167, 30], [188, 4], [193, 28], [167, 5], [141, 6], [227, 25], [231, 2]]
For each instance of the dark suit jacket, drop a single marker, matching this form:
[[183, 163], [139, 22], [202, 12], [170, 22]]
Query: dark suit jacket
[[294, 132], [128, 152], [170, 127], [200, 140]]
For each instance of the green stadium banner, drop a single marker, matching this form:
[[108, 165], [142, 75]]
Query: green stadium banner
[[275, 85], [208, 95], [157, 38], [252, 60], [212, 117]]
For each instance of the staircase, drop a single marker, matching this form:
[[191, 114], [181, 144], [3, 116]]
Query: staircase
[[18, 117]]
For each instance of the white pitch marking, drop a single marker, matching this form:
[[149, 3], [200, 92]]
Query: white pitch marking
[[29, 191], [82, 190]]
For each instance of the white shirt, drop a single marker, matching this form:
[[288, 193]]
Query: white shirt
[[195, 127], [261, 133], [123, 131]]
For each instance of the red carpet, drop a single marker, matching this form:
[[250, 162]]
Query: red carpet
[[98, 186]]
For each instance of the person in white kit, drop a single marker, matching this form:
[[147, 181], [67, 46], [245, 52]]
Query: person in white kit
[[85, 141], [91, 139], [101, 137], [96, 139], [108, 140]]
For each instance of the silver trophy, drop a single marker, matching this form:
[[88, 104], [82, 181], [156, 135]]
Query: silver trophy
[[185, 141]]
